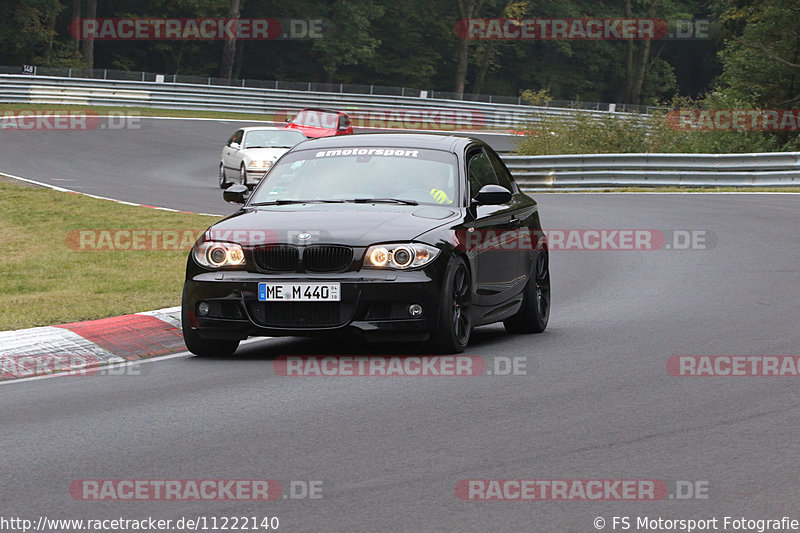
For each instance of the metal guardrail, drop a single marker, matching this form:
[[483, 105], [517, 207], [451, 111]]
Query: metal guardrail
[[779, 169], [342, 88], [365, 110]]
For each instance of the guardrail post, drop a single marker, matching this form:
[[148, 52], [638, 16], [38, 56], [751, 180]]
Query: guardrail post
[[105, 73]]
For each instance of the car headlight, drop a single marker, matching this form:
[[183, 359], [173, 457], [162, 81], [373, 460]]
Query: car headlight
[[216, 254], [400, 256], [260, 164]]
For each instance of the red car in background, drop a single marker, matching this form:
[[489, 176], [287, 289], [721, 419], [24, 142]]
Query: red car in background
[[314, 122]]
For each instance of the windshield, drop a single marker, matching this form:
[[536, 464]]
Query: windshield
[[272, 138], [317, 119], [415, 175]]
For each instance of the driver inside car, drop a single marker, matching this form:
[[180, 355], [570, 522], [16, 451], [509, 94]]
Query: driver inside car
[[440, 181]]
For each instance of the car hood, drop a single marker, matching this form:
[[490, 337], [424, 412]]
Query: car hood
[[348, 224], [269, 154]]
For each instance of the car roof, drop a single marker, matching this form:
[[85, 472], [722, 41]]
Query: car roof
[[450, 143], [322, 110], [268, 128]]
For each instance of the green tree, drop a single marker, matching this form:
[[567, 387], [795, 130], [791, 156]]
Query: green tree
[[761, 57], [352, 42], [416, 43], [229, 50], [27, 30]]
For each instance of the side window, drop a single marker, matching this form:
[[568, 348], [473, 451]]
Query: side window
[[236, 137], [479, 171], [503, 177]]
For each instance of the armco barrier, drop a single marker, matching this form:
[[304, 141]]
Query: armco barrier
[[778, 169], [310, 86], [366, 110]]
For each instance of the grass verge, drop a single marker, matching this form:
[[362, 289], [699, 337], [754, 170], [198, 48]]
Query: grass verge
[[140, 111], [46, 280]]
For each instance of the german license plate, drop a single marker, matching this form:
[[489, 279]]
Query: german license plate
[[299, 292]]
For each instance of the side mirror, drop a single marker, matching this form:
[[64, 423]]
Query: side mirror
[[288, 119], [236, 194], [236, 146], [492, 195]]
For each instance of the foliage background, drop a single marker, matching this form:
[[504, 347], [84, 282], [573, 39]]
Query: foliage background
[[751, 59]]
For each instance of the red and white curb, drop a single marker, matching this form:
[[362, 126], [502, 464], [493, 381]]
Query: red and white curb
[[68, 348]]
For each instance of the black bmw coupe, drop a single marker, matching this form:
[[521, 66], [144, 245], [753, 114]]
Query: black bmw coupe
[[393, 236]]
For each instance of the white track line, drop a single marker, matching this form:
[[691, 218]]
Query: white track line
[[62, 189], [100, 368]]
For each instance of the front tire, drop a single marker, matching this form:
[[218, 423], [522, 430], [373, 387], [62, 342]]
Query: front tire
[[532, 317], [243, 176], [204, 347], [223, 179], [455, 310]]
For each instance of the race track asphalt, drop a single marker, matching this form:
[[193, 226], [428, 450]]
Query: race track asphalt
[[149, 161]]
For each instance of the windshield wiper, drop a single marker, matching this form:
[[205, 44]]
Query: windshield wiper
[[384, 201], [287, 202]]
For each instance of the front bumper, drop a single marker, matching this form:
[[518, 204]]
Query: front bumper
[[254, 175], [374, 304]]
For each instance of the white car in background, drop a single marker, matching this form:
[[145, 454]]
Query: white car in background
[[251, 152]]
